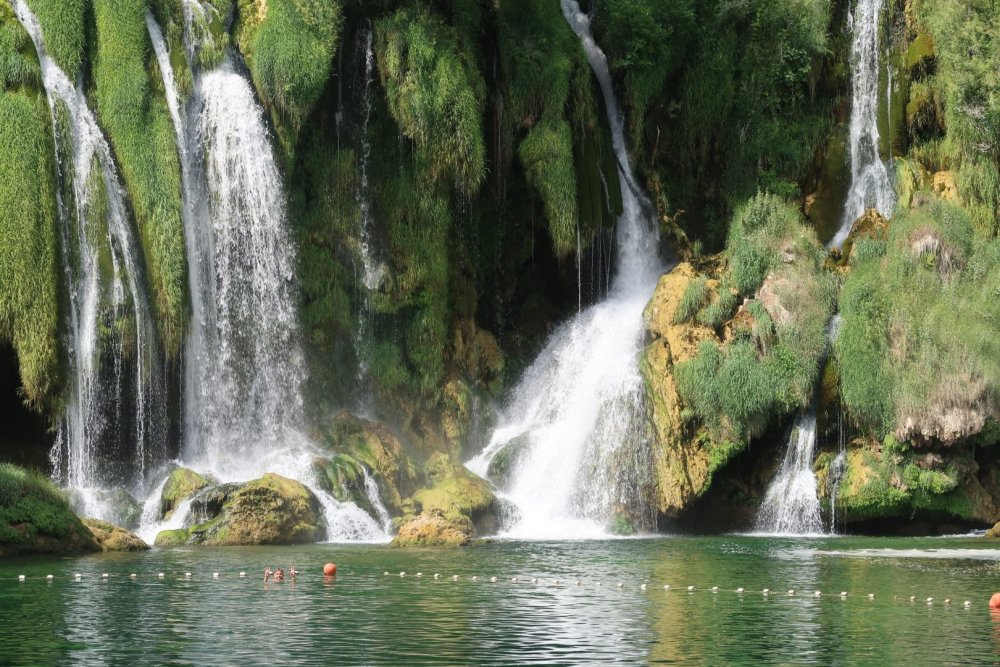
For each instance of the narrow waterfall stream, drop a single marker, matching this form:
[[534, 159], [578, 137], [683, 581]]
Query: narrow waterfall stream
[[243, 405], [116, 384], [574, 428], [870, 182], [791, 505]]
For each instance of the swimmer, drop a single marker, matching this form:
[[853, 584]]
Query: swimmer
[[279, 575]]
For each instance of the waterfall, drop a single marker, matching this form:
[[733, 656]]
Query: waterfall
[[791, 506], [375, 498], [116, 385], [372, 270], [870, 182], [576, 419], [244, 365]]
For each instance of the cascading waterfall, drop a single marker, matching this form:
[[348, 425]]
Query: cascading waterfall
[[791, 506], [116, 386], [244, 371], [576, 423], [870, 182]]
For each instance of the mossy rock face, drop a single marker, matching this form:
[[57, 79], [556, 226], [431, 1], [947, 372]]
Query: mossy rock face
[[343, 477], [35, 516], [356, 441], [171, 538], [182, 483], [503, 465], [433, 529], [114, 538], [682, 462], [269, 510], [457, 495]]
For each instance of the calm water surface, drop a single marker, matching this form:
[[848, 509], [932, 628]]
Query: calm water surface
[[365, 617]]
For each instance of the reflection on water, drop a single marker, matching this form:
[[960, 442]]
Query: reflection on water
[[364, 617]]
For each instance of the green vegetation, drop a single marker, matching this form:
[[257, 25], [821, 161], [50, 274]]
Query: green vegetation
[[435, 93], [695, 296], [62, 24], [29, 251], [142, 136], [918, 350], [771, 364], [35, 517], [289, 46]]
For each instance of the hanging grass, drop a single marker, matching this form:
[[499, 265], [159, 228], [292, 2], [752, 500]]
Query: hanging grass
[[18, 60], [29, 269], [435, 93], [289, 47], [63, 29], [138, 124]]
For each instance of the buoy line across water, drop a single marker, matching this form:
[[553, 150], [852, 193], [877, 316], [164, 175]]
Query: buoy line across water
[[330, 571]]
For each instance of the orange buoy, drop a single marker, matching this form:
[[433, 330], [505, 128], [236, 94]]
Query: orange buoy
[[995, 601], [330, 570]]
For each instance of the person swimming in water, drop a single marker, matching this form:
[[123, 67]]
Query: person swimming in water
[[279, 575]]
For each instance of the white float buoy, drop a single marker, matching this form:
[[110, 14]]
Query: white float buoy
[[967, 604], [77, 576], [843, 594], [766, 591], [642, 587], [913, 598], [666, 587], [597, 583], [871, 596], [620, 584], [104, 576], [534, 580], [215, 575], [160, 575], [715, 589], [454, 577], [791, 591], [475, 578], [420, 574], [817, 594], [385, 574], [555, 582], [48, 577], [243, 575], [402, 574], [930, 600], [493, 580], [739, 590], [576, 583], [187, 575], [132, 576], [947, 601], [20, 577], [690, 588], [437, 576], [513, 580]]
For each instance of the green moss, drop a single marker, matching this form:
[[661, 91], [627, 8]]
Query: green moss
[[18, 61], [172, 538], [35, 516], [29, 255], [63, 29], [289, 47], [435, 93], [142, 136], [181, 484], [547, 155]]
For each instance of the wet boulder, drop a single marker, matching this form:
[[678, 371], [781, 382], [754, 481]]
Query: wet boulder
[[114, 538], [182, 484]]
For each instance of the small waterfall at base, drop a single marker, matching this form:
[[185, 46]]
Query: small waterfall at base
[[791, 506], [870, 182], [243, 405], [577, 418], [114, 426]]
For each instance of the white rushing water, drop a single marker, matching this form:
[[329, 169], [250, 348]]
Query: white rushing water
[[791, 506], [244, 366], [116, 384], [871, 185], [578, 413]]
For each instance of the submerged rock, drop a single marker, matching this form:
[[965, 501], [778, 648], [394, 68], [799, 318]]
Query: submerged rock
[[182, 484], [114, 538]]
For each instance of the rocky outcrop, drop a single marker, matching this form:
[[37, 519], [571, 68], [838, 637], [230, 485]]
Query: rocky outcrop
[[432, 529], [182, 484], [269, 510], [35, 517], [114, 538], [683, 462]]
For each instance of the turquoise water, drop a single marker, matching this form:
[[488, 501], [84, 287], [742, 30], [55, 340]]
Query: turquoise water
[[365, 617]]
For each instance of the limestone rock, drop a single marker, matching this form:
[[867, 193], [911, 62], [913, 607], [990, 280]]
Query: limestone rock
[[114, 538], [458, 495], [269, 510], [432, 529], [171, 538], [182, 484]]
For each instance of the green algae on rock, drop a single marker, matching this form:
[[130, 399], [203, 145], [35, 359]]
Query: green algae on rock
[[35, 517]]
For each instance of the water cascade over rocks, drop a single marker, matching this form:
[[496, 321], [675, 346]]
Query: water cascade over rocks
[[870, 182], [574, 429], [790, 506], [244, 369], [114, 427]]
